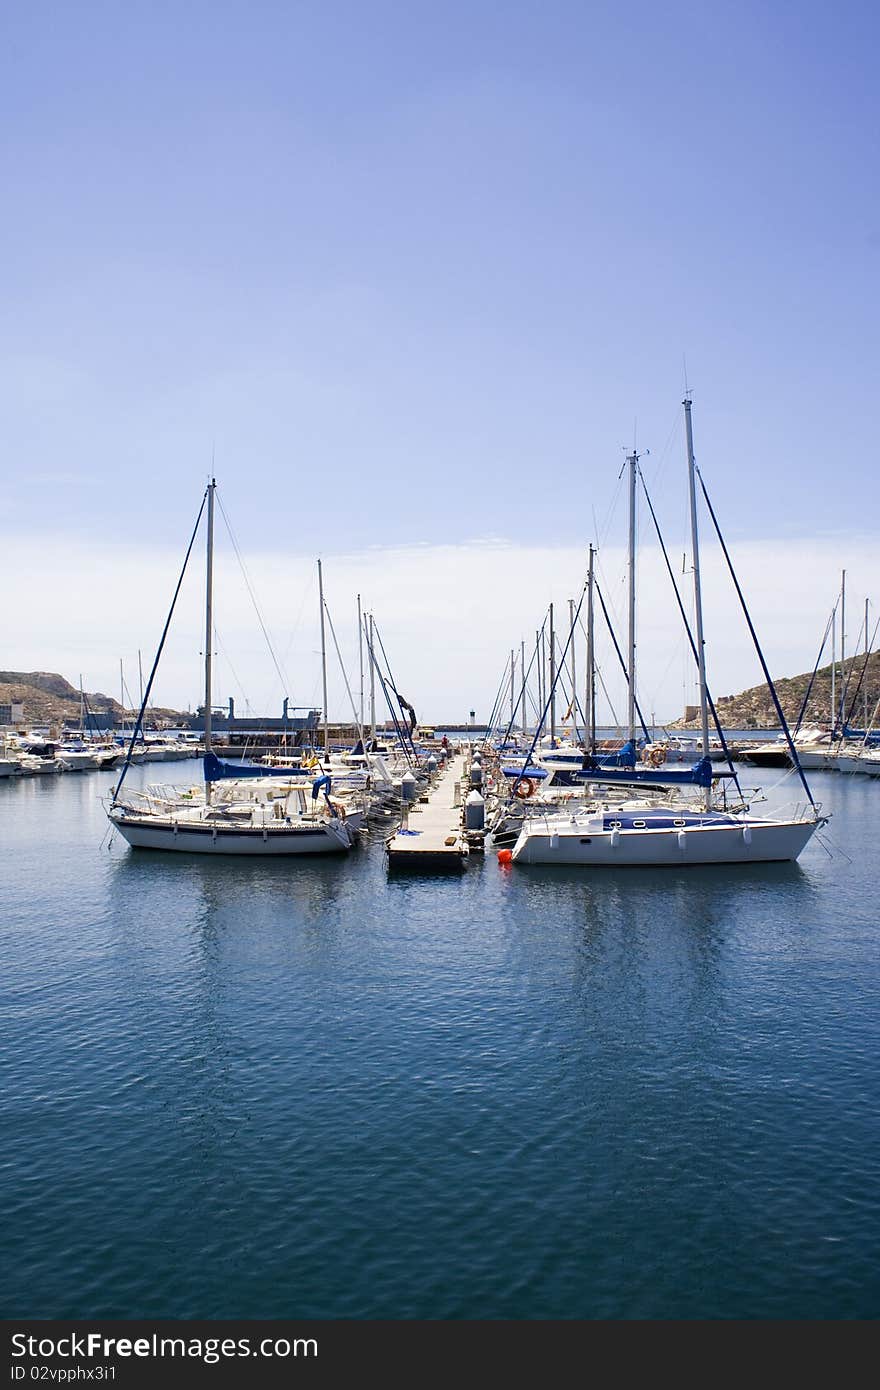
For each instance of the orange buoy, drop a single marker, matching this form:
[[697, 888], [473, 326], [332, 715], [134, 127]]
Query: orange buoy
[[505, 856]]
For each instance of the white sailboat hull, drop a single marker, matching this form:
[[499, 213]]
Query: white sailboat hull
[[746, 843], [219, 839], [852, 762]]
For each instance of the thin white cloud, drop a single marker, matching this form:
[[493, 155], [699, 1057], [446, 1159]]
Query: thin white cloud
[[448, 616]]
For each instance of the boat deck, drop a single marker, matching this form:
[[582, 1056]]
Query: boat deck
[[431, 836]]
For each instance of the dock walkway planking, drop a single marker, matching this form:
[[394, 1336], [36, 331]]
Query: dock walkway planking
[[432, 836]]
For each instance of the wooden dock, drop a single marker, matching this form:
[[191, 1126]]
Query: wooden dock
[[431, 837]]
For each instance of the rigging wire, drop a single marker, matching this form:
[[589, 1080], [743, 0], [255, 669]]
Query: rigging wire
[[863, 628], [660, 461], [227, 658], [803, 709], [550, 696], [140, 719], [687, 626], [601, 679], [412, 759], [357, 721], [772, 688], [507, 682], [238, 555], [308, 595], [621, 660]]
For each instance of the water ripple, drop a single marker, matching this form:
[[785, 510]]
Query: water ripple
[[233, 1089]]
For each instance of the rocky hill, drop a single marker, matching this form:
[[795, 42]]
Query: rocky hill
[[50, 699], [753, 709]]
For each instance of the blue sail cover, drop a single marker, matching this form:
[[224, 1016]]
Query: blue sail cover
[[702, 774], [624, 757], [216, 770]]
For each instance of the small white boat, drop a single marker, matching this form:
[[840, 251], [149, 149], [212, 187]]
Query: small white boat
[[76, 757]]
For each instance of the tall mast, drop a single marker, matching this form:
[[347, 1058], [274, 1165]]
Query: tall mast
[[632, 460], [574, 688], [865, 694], [512, 683], [552, 680], [698, 598], [372, 683], [522, 660], [82, 708], [323, 662], [121, 695], [833, 666], [591, 661], [209, 625], [842, 642], [361, 658]]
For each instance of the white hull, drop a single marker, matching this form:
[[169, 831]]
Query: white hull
[[813, 761], [218, 839], [852, 763], [77, 762], [748, 843]]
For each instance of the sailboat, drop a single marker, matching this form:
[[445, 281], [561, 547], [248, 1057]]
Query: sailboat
[[651, 832], [258, 815]]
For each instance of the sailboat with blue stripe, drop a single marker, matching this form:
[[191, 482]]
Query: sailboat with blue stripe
[[669, 832]]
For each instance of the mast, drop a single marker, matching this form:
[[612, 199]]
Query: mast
[[512, 682], [591, 662], [372, 682], [833, 667], [323, 662], [867, 653], [209, 625], [552, 681], [539, 667], [632, 460], [82, 709], [122, 697], [698, 598], [842, 644], [573, 670], [361, 658], [522, 659]]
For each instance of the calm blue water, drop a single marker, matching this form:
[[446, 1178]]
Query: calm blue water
[[268, 1090]]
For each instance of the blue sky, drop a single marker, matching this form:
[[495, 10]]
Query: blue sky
[[413, 274]]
